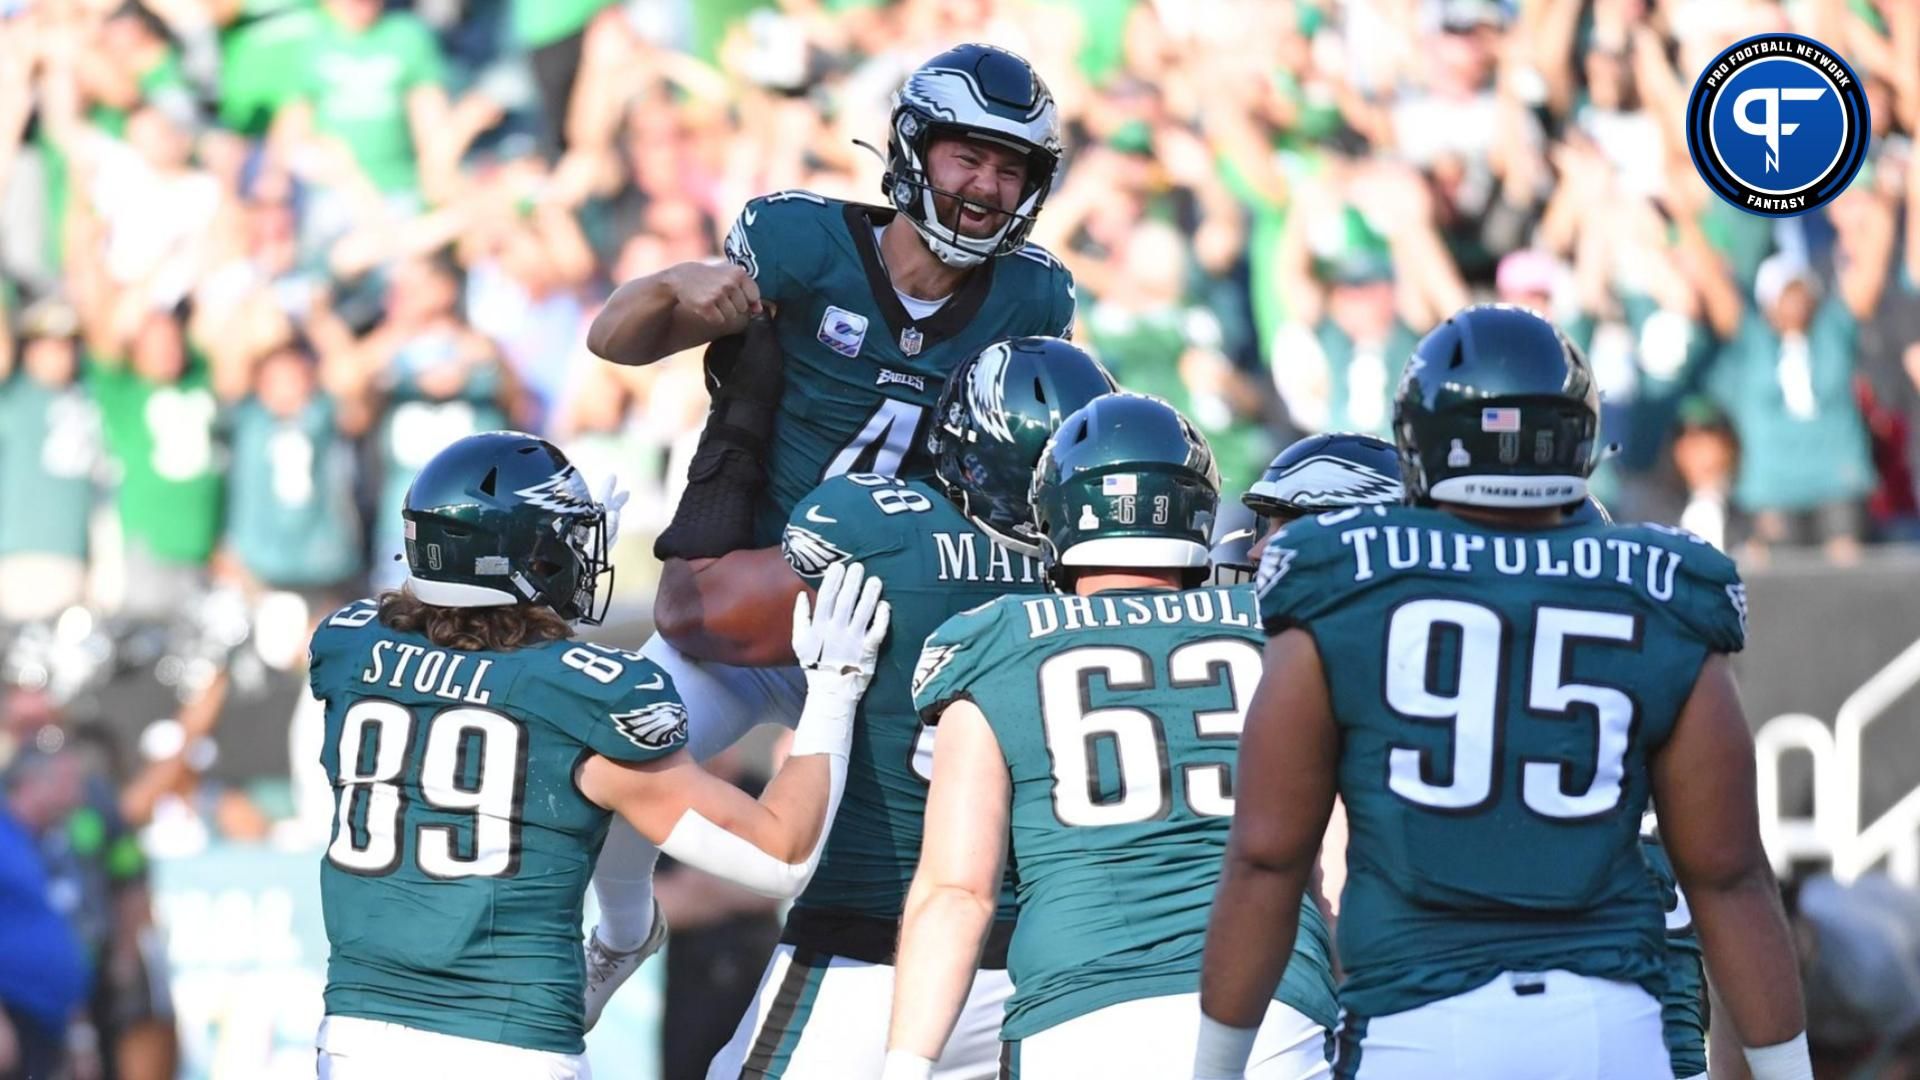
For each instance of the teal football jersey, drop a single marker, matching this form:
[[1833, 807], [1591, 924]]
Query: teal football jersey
[[1119, 718], [936, 563], [1683, 1005], [1498, 696], [453, 885], [862, 373]]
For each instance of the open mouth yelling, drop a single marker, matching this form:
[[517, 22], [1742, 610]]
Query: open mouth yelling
[[976, 221]]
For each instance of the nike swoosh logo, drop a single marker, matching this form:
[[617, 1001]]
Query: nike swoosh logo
[[814, 515], [747, 215], [658, 682]]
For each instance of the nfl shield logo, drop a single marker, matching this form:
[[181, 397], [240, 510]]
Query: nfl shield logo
[[910, 341]]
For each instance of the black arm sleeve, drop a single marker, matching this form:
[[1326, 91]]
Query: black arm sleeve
[[728, 471]]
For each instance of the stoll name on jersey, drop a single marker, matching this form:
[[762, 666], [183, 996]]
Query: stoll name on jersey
[[1217, 607], [437, 672], [1629, 562]]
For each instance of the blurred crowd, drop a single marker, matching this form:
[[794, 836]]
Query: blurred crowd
[[260, 259]]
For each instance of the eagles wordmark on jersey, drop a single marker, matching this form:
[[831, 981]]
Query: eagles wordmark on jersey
[[862, 371], [461, 849], [1118, 715]]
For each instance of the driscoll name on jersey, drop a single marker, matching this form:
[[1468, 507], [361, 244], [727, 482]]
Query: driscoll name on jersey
[[1387, 548], [1213, 607]]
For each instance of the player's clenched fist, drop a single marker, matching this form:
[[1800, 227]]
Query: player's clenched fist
[[722, 295]]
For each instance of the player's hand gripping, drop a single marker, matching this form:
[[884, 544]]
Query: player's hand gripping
[[722, 295], [837, 638]]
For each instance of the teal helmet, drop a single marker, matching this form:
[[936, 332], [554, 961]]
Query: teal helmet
[[503, 518], [1497, 409], [1126, 482], [979, 92], [1325, 472], [994, 418], [1315, 475]]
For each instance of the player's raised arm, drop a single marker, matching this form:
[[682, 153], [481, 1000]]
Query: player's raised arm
[[1703, 783], [1291, 744], [770, 845], [685, 305], [955, 889]]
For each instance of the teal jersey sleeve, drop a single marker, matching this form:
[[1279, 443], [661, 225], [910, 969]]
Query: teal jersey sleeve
[[835, 522], [776, 240], [950, 661], [1296, 581], [327, 665], [615, 703], [1709, 599], [1057, 289]]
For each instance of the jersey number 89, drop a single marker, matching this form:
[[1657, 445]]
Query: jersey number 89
[[472, 765]]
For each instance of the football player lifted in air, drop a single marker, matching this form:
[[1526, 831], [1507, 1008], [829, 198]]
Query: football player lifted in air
[[1087, 737], [942, 546], [1494, 692], [478, 753], [835, 326]]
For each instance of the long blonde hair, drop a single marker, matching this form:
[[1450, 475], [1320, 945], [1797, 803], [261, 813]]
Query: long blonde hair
[[475, 629]]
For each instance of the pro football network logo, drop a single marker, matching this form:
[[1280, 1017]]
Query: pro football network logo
[[1777, 124]]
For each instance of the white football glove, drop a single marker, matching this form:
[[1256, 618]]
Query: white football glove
[[837, 638], [612, 497]]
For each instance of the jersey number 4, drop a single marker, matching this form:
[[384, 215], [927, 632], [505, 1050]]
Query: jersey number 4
[[1075, 731], [886, 436], [1472, 708], [473, 765]]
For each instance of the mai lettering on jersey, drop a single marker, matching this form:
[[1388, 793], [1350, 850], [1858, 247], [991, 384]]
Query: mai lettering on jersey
[[959, 555]]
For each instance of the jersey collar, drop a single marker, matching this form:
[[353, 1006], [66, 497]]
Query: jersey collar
[[954, 316]]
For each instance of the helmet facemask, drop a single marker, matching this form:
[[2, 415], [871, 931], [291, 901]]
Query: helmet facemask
[[914, 194], [574, 588], [972, 92]]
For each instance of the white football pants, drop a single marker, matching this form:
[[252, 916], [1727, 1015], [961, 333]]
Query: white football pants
[[1154, 1037], [825, 1018], [1550, 1026], [352, 1048]]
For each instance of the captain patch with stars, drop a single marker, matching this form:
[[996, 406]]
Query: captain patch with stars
[[1777, 124]]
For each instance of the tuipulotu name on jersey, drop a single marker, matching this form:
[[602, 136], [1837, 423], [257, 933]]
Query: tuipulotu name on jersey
[[1237, 608], [437, 671], [1386, 548]]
